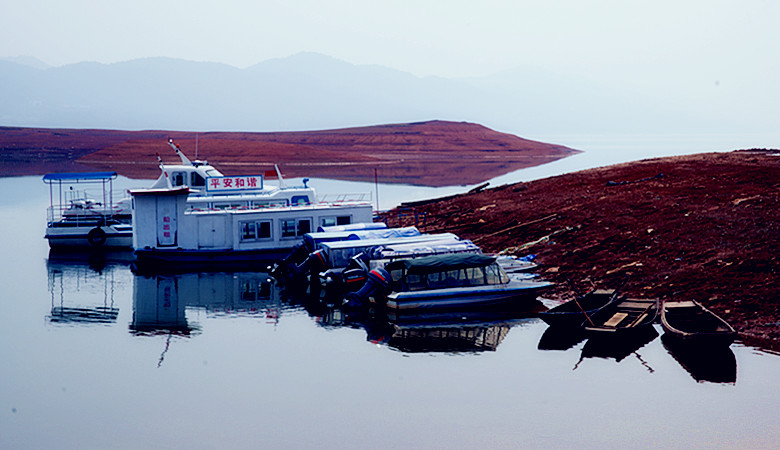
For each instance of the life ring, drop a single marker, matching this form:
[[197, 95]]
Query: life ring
[[96, 237]]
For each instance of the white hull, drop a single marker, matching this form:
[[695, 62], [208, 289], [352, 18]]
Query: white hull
[[465, 296], [111, 236], [168, 235]]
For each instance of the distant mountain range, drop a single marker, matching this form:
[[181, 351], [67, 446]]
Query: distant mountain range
[[310, 91]]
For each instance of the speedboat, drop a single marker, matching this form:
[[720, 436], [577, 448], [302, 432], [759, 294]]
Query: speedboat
[[444, 281]]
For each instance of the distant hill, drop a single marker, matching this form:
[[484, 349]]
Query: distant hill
[[312, 91], [432, 153]]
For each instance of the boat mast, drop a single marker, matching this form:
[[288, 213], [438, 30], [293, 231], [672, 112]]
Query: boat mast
[[164, 171], [184, 160]]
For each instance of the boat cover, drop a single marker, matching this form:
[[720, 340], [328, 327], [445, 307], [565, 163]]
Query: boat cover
[[49, 177], [353, 227], [441, 263], [420, 249], [315, 238]]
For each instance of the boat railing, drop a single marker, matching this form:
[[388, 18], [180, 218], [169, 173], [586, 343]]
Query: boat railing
[[346, 198], [56, 217], [84, 206]]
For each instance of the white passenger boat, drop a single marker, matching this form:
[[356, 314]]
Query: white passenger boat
[[80, 218], [169, 234], [77, 220]]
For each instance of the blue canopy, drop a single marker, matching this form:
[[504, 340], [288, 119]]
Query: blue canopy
[[79, 176]]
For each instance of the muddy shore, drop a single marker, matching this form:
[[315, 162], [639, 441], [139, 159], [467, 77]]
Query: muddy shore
[[703, 227]]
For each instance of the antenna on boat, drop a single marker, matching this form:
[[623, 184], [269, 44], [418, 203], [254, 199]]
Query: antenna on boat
[[196, 146], [177, 149], [376, 187], [165, 172]]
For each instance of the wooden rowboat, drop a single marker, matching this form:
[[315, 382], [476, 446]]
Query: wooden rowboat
[[573, 312], [623, 315], [689, 321]]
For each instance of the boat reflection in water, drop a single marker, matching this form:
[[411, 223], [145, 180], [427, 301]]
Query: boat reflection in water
[[160, 301], [82, 293], [618, 347], [714, 364], [561, 338], [453, 331]]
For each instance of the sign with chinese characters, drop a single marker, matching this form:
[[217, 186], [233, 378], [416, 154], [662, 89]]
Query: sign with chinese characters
[[166, 221], [225, 184]]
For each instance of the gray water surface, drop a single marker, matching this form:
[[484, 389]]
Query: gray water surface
[[94, 356]]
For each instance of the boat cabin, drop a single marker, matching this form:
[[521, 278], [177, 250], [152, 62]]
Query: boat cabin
[[445, 271], [164, 225]]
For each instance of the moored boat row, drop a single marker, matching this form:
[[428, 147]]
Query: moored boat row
[[604, 312], [193, 218], [403, 269]]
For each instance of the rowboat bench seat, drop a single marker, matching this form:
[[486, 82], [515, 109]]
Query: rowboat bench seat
[[615, 319]]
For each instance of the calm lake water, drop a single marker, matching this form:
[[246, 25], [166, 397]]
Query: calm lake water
[[94, 356]]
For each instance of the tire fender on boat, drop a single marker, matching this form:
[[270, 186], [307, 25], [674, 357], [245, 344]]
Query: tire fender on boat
[[96, 237]]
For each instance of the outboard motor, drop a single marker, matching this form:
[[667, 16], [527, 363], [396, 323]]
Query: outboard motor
[[297, 256], [312, 266], [377, 285], [346, 279], [354, 276]]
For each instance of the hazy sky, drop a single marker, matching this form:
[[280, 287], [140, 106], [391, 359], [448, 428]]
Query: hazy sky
[[712, 39]]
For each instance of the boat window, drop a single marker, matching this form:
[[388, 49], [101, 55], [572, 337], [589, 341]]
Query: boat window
[[452, 278], [252, 231], [288, 228], [395, 276], [416, 282], [295, 228], [196, 180], [475, 276], [494, 275], [331, 221], [264, 229], [248, 231], [177, 179], [298, 200], [438, 280], [304, 226]]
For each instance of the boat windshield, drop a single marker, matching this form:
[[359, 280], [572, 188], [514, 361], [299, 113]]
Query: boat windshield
[[463, 277]]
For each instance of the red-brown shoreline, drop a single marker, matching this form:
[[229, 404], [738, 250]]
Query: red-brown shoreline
[[702, 226], [435, 153]]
